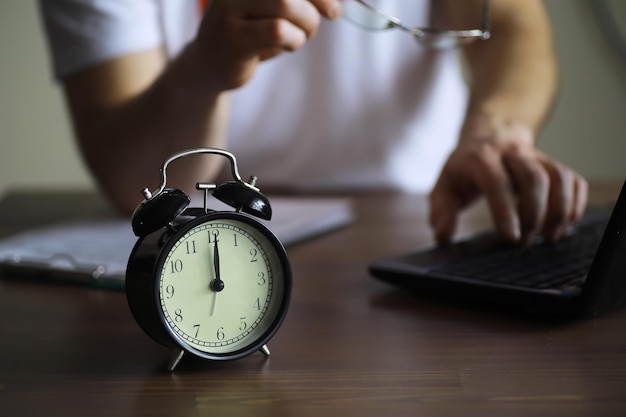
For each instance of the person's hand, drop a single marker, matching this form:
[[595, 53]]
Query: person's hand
[[235, 35], [527, 192]]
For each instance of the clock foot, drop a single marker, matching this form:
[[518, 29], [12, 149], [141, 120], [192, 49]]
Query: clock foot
[[265, 351], [177, 355]]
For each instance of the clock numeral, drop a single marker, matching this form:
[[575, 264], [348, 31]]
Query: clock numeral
[[213, 234], [197, 328], [169, 291], [262, 279], [235, 240], [220, 333], [242, 324], [254, 253], [176, 266], [178, 315], [257, 304], [191, 247]]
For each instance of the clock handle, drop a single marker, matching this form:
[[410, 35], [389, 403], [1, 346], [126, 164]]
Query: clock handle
[[163, 205], [214, 151]]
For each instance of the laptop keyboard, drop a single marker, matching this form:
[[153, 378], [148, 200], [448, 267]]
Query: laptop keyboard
[[542, 265]]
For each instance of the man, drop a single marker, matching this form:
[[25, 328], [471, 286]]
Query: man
[[345, 109]]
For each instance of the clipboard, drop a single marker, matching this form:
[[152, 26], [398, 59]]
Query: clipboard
[[95, 252]]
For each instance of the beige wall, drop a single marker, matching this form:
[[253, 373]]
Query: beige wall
[[588, 127], [36, 145], [587, 131]]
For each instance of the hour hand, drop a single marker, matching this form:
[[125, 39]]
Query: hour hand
[[217, 284]]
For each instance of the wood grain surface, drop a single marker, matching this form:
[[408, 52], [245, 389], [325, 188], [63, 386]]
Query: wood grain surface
[[350, 346]]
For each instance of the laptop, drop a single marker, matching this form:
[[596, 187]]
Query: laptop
[[583, 274]]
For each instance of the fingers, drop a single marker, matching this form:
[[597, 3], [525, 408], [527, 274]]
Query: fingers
[[445, 206], [560, 202], [297, 20], [289, 9], [474, 170], [269, 37], [527, 192], [284, 21], [581, 194], [532, 184], [550, 196], [493, 180], [235, 35], [567, 199], [329, 9]]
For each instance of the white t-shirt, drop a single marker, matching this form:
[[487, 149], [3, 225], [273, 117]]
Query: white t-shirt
[[351, 109]]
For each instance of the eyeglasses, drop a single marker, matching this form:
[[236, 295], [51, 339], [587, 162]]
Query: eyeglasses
[[369, 17]]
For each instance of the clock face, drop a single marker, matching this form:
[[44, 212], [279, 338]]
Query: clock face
[[223, 286]]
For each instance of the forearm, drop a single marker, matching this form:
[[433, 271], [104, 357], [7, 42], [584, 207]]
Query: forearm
[[513, 84], [127, 131], [513, 75]]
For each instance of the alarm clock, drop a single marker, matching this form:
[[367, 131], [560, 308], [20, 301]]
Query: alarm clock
[[214, 284]]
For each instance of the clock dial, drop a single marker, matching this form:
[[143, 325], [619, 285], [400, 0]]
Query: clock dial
[[222, 286]]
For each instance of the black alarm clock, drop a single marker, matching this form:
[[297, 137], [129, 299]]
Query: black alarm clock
[[213, 284]]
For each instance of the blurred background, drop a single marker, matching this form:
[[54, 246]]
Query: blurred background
[[587, 130]]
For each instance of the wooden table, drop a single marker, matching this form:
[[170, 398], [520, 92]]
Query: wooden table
[[350, 346]]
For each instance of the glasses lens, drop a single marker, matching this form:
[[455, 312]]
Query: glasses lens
[[366, 17]]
